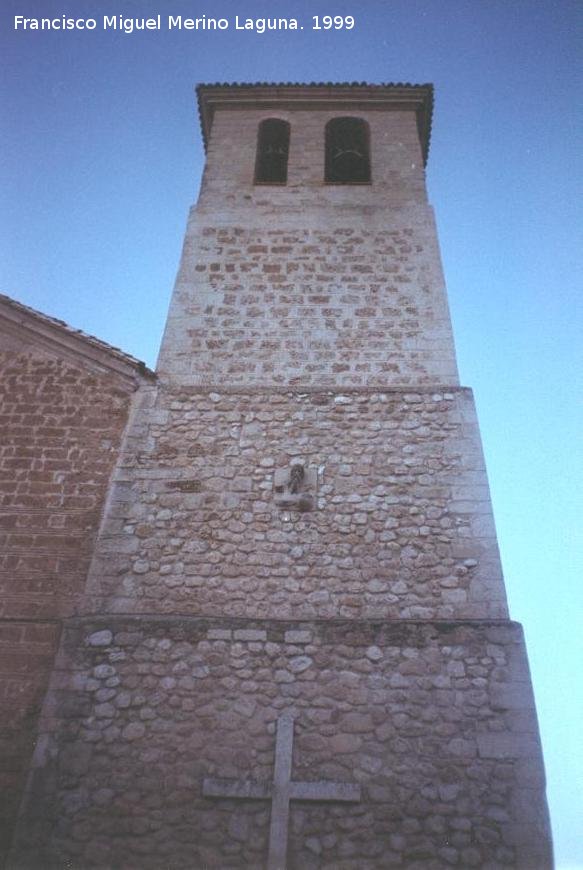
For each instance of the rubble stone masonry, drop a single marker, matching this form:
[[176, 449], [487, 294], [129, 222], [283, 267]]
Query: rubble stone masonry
[[434, 721], [401, 527]]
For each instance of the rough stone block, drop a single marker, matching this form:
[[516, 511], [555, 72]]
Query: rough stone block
[[250, 634], [298, 637]]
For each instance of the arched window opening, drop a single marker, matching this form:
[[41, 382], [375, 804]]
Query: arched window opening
[[347, 151], [272, 152]]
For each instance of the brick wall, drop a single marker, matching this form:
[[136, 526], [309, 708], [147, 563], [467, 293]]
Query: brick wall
[[61, 431], [61, 423], [397, 171]]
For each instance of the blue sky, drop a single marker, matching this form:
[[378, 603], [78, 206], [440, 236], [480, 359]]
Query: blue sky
[[101, 161]]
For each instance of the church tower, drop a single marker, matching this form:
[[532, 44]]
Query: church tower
[[294, 649]]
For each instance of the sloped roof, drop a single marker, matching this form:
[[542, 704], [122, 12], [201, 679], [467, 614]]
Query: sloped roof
[[267, 94], [50, 333]]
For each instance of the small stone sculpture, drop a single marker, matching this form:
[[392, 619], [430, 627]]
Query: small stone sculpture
[[295, 487]]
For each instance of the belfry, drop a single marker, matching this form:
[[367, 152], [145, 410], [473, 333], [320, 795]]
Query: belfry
[[294, 648]]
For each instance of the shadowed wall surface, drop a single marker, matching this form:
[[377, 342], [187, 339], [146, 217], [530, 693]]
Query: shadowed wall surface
[[64, 403]]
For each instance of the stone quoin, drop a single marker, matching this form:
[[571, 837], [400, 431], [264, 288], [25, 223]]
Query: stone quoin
[[292, 648]]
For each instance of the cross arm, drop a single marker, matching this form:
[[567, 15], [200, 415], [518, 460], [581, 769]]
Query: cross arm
[[236, 788], [324, 791]]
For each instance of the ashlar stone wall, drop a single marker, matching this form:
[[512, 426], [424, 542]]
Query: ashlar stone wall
[[308, 306], [310, 283]]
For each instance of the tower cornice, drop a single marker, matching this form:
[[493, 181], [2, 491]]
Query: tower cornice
[[342, 96]]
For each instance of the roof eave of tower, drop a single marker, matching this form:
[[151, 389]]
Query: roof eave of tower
[[326, 94]]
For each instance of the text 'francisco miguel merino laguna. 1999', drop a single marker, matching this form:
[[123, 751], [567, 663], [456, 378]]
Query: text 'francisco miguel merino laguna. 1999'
[[178, 22]]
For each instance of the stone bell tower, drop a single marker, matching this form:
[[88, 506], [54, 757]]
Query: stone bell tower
[[295, 649]]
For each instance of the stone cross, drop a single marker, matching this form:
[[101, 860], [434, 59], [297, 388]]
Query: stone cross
[[281, 791]]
